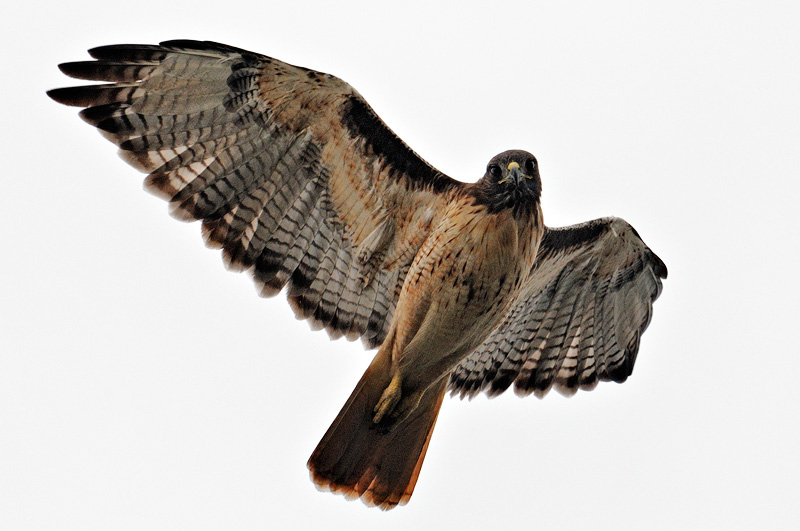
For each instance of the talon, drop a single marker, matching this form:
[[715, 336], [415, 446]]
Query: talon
[[389, 399]]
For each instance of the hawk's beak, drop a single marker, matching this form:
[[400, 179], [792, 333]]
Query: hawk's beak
[[515, 175]]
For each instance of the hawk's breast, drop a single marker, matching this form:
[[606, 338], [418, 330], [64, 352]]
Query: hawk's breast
[[465, 276]]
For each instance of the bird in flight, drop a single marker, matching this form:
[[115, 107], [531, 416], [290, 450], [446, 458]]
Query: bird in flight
[[459, 286]]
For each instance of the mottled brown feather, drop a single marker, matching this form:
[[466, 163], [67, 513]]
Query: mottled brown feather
[[231, 138]]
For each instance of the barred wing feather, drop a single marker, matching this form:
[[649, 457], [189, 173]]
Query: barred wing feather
[[579, 319], [293, 175]]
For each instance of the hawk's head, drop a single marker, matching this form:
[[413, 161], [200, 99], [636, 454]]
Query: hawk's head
[[511, 181]]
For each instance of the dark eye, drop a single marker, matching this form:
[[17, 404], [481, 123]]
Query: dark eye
[[495, 170], [530, 166]]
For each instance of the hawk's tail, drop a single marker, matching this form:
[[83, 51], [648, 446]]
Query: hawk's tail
[[358, 459]]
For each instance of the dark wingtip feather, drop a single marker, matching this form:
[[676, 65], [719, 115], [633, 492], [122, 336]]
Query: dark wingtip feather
[[186, 44], [72, 96], [156, 52], [99, 115], [114, 71], [128, 52], [72, 69], [190, 44], [93, 95], [55, 95], [660, 266], [87, 70], [500, 383], [620, 372]]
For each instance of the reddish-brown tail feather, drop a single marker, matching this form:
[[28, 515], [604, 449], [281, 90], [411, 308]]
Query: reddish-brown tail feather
[[358, 459]]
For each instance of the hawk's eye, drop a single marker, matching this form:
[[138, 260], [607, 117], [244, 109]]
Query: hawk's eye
[[495, 170], [530, 166]]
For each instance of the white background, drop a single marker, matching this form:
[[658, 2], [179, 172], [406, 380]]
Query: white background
[[144, 387]]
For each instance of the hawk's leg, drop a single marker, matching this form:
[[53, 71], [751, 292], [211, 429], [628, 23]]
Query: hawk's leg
[[393, 407], [389, 399]]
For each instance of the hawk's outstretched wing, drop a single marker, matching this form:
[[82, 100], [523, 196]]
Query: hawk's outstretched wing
[[579, 319], [293, 175]]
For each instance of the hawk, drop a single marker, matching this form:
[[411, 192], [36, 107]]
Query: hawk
[[461, 286]]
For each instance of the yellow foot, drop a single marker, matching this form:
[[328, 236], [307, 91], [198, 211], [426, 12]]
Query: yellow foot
[[394, 406], [389, 399]]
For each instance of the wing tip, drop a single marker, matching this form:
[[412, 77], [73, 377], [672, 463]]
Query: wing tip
[[125, 52], [70, 96], [660, 267], [74, 69]]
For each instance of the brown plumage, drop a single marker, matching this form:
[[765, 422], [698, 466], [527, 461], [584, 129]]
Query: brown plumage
[[299, 182]]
